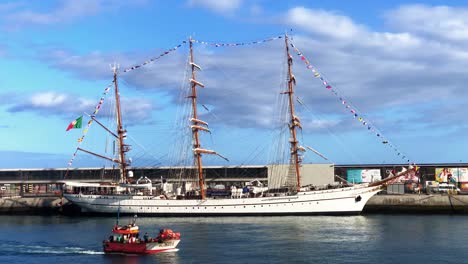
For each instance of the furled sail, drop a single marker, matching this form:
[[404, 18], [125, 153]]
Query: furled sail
[[201, 128], [198, 121], [197, 83], [195, 65], [208, 151]]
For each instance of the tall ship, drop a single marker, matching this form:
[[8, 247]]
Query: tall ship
[[290, 197]]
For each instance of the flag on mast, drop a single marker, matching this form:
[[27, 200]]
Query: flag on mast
[[75, 123]]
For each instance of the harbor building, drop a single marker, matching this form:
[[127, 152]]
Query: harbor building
[[43, 182]]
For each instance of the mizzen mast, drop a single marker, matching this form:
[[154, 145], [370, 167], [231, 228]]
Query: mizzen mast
[[294, 120]]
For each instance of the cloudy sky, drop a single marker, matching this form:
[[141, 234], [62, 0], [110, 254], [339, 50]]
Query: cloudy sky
[[401, 66]]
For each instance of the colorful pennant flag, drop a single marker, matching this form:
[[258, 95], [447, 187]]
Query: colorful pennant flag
[[75, 123]]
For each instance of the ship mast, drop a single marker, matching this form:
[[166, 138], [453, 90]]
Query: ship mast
[[120, 136], [195, 134], [293, 118], [198, 125], [120, 131]]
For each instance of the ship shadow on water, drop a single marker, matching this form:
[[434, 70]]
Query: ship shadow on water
[[163, 258]]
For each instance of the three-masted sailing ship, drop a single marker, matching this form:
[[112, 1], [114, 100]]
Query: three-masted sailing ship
[[139, 198]]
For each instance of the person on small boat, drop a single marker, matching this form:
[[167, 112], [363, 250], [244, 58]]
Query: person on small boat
[[160, 236], [146, 237]]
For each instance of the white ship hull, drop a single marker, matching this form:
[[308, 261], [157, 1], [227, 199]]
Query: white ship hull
[[341, 201]]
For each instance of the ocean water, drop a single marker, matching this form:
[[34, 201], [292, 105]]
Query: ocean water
[[315, 239]]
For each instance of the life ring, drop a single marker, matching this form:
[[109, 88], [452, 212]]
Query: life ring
[[3, 188]]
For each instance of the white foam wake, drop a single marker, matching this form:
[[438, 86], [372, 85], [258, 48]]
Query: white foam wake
[[37, 249]]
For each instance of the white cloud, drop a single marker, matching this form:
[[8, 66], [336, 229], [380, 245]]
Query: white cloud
[[442, 22], [48, 99], [323, 22], [50, 102], [66, 105], [376, 70], [95, 65], [218, 6], [409, 77], [66, 11]]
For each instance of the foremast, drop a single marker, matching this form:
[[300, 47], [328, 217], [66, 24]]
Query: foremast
[[120, 136], [197, 124], [121, 132], [294, 120]]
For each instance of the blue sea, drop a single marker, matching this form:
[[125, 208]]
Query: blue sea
[[315, 239]]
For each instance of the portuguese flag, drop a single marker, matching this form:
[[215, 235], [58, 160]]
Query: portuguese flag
[[75, 123]]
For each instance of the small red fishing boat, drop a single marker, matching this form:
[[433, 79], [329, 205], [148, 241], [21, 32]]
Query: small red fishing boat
[[126, 239]]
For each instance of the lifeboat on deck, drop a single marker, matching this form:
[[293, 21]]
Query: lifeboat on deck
[[127, 240]]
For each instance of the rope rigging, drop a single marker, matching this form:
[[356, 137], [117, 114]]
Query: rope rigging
[[181, 155]]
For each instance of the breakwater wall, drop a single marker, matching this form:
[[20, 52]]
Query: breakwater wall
[[379, 204], [417, 203], [32, 205]]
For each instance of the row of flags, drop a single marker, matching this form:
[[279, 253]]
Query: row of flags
[[347, 104], [219, 44], [78, 122], [155, 58], [215, 44]]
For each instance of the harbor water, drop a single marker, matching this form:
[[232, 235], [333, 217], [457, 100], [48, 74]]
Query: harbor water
[[316, 239]]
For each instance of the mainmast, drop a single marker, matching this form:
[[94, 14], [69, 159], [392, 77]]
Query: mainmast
[[120, 131], [294, 120], [196, 137], [198, 125]]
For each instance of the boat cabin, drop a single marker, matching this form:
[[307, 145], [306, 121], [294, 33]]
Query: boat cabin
[[125, 234]]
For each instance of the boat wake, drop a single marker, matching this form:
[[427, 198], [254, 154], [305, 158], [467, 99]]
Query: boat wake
[[16, 248]]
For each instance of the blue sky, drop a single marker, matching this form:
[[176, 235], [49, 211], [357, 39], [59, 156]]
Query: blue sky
[[401, 65]]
